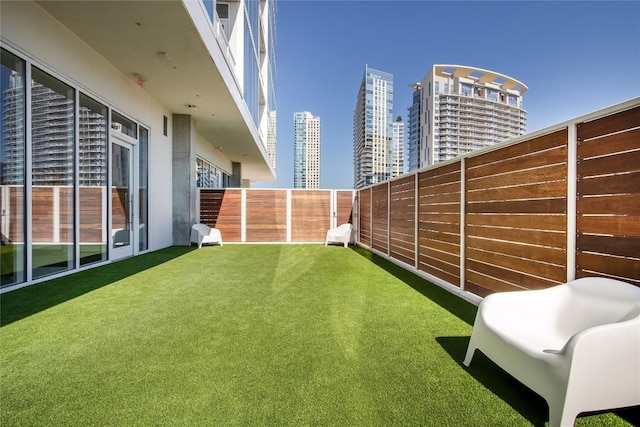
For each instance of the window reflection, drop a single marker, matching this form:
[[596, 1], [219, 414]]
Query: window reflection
[[12, 164], [93, 180], [52, 174], [208, 176], [123, 125]]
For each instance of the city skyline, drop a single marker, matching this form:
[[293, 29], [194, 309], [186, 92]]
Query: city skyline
[[570, 69]]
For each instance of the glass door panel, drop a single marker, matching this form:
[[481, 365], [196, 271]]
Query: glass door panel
[[121, 201]]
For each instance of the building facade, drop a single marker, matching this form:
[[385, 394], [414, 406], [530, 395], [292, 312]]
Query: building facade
[[306, 134], [107, 135], [462, 109], [397, 164], [372, 128], [413, 130]]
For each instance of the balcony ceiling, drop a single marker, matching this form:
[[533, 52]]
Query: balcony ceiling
[[130, 35]]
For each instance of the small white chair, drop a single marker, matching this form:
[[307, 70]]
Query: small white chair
[[577, 345], [202, 233], [340, 234]]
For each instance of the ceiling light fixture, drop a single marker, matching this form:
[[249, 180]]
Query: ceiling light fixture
[[164, 56], [191, 106]]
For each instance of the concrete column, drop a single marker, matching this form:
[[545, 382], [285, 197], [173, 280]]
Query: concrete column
[[184, 178]]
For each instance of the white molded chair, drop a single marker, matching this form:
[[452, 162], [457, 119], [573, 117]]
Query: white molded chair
[[577, 344], [202, 233], [341, 234]]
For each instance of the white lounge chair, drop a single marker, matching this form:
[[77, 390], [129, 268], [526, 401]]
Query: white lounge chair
[[577, 344], [202, 233], [341, 234]]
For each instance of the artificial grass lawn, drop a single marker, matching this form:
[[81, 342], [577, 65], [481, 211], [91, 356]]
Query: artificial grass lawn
[[251, 335]]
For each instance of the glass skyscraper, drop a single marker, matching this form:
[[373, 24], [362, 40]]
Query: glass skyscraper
[[306, 172], [372, 123]]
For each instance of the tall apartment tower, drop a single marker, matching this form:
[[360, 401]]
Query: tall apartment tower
[[462, 109], [397, 165], [306, 173], [413, 130], [372, 121]]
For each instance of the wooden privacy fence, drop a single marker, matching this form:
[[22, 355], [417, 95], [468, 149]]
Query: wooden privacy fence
[[560, 204], [275, 215]]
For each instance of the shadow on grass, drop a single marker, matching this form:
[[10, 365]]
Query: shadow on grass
[[460, 308], [24, 302], [521, 398]]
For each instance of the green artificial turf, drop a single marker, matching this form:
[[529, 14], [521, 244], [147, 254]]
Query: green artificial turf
[[251, 335]]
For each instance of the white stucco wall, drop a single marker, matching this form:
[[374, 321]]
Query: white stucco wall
[[33, 34]]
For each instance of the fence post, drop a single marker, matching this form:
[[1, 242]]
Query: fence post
[[463, 239], [288, 226], [416, 216], [243, 215], [572, 180]]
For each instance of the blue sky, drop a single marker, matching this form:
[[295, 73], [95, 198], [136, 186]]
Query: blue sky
[[575, 57]]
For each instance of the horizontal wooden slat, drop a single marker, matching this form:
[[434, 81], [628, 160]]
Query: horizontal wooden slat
[[532, 252], [524, 148], [444, 208], [436, 198], [614, 184], [613, 245], [617, 143], [445, 188], [452, 248], [439, 236], [545, 190], [551, 206], [453, 259], [535, 160], [533, 237], [551, 271], [610, 124], [452, 269], [515, 277], [622, 204], [525, 221], [482, 285], [602, 263], [441, 226], [440, 171], [616, 225], [449, 278], [617, 163], [427, 217], [528, 176]]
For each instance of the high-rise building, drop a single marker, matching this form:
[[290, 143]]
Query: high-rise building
[[372, 119], [396, 148], [306, 173], [413, 131], [462, 109]]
